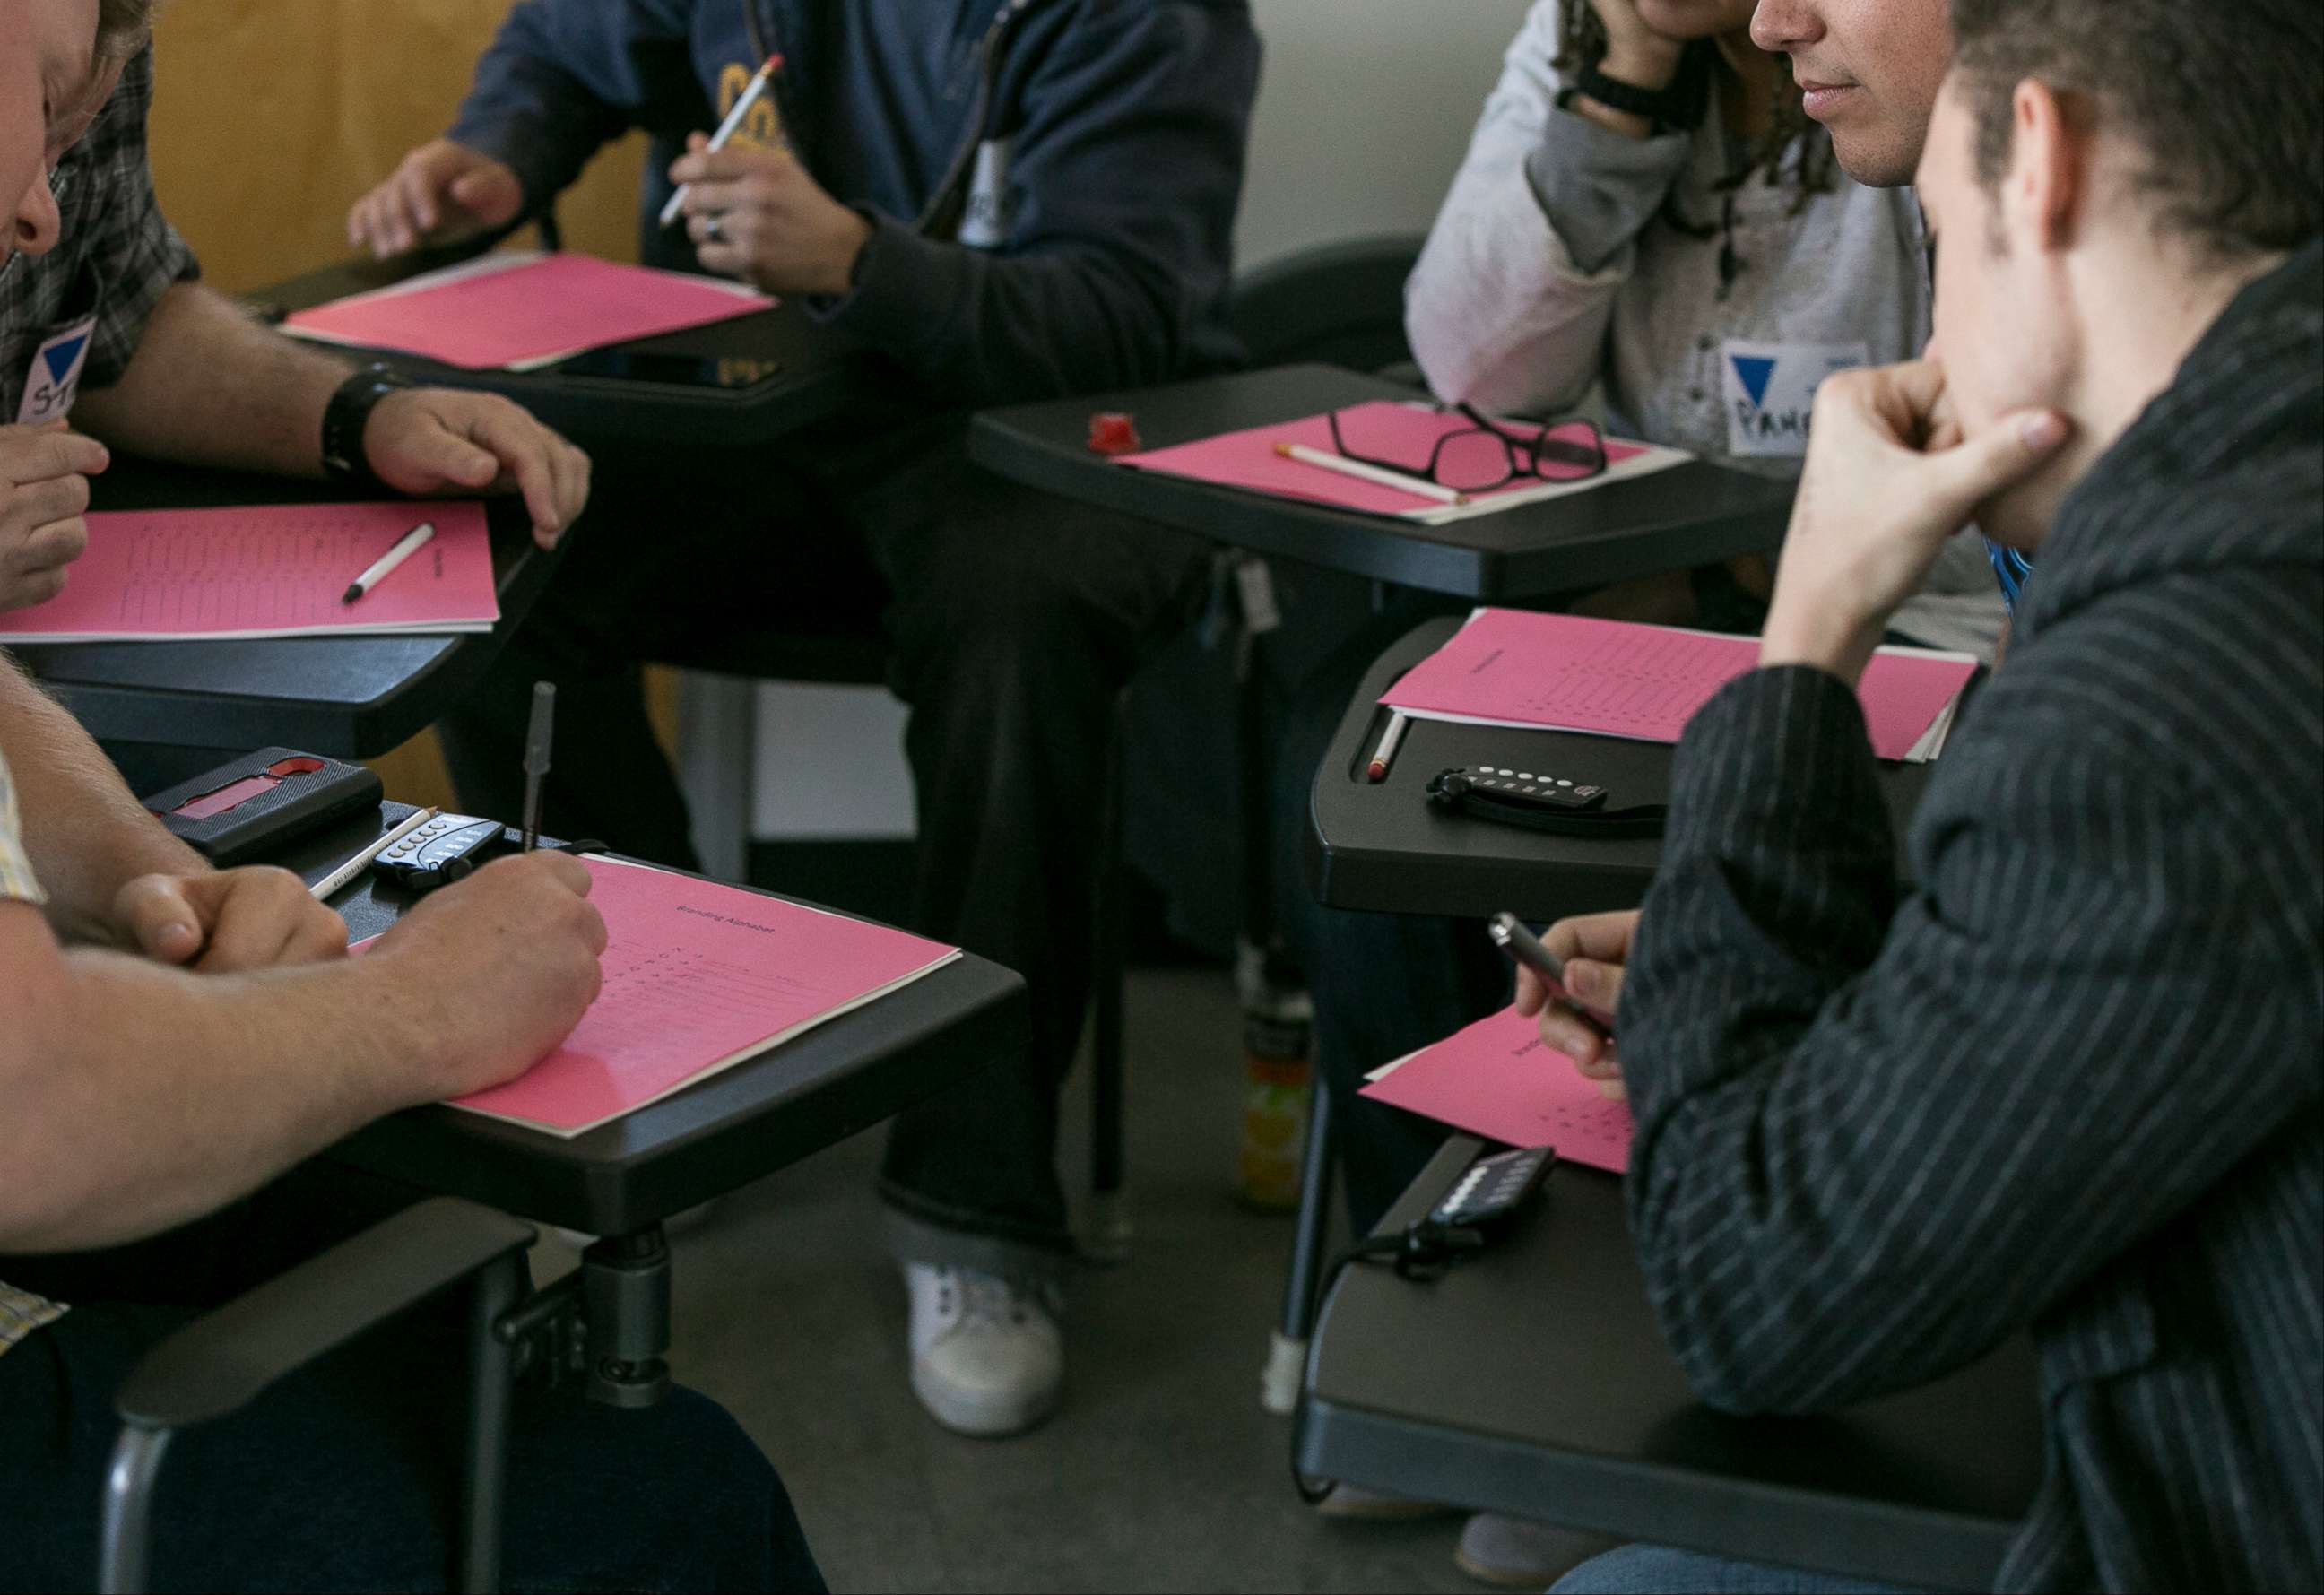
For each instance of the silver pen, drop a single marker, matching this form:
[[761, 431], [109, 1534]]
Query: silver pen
[[536, 757]]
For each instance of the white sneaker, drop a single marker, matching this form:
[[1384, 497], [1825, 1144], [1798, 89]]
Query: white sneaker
[[987, 1357]]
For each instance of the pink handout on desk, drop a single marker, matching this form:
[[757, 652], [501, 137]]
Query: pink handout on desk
[[267, 570], [1497, 1079], [1621, 678], [698, 977], [1393, 430], [490, 314]]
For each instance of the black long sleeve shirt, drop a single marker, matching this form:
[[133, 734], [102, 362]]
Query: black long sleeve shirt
[[2074, 1079]]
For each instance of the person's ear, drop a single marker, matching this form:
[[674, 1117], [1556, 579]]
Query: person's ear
[[2043, 196]]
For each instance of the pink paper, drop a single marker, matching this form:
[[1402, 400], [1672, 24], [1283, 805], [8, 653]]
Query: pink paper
[[1621, 678], [267, 570], [1497, 1079], [1392, 430], [557, 305], [699, 976]]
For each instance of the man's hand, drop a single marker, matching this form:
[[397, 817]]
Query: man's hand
[[445, 442], [755, 214], [499, 967], [222, 920], [1594, 948], [443, 192], [1888, 479], [44, 474]]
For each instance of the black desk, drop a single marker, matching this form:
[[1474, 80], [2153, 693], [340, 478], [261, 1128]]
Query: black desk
[[710, 1138], [1532, 1380], [1690, 514], [818, 372], [1383, 848], [188, 706]]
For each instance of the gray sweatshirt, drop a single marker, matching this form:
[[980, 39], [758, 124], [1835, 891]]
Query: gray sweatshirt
[[1552, 267]]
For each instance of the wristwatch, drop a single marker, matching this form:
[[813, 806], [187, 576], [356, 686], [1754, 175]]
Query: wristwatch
[[345, 418], [1664, 107]]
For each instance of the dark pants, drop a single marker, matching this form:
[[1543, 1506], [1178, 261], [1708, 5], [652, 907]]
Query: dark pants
[[1012, 623], [347, 1476], [1384, 985]]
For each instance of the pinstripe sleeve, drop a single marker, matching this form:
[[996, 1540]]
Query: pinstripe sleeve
[[1874, 1139]]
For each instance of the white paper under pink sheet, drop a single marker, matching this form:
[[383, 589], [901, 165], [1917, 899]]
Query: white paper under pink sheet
[[1395, 430], [698, 977], [1620, 679], [267, 570], [1498, 1080], [520, 311]]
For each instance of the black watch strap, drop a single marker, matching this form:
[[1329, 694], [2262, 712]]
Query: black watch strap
[[345, 418], [1666, 107]]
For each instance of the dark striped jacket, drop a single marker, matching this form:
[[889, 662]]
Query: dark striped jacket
[[2074, 1081]]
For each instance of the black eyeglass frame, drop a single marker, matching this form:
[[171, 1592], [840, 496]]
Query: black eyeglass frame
[[1522, 455]]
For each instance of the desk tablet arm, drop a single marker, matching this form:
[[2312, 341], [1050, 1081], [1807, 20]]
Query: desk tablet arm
[[222, 1362]]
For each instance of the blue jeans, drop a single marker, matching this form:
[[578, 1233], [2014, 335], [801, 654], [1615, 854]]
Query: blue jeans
[[1659, 1569]]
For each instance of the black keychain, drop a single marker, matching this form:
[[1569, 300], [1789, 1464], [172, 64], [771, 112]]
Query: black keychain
[[1536, 802]]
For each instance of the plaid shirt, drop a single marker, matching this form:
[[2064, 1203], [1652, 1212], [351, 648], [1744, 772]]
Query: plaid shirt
[[21, 1312], [117, 255]]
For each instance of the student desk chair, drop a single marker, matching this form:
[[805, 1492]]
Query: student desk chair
[[810, 372], [1382, 847], [166, 711], [1531, 1379], [606, 1324]]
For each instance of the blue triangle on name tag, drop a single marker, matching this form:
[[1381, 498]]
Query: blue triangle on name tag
[[60, 357], [1754, 370]]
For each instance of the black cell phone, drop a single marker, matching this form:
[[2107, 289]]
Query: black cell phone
[[1511, 936], [262, 802], [685, 370]]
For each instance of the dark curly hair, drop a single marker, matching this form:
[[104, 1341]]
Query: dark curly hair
[[1582, 43]]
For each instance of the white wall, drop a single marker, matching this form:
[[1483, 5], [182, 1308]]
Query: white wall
[[1364, 108]]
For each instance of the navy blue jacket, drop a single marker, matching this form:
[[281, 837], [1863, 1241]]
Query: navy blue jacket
[[1102, 261]]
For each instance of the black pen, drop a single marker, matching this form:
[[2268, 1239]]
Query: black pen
[[1510, 935]]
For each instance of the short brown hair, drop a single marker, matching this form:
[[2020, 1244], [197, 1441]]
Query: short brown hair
[[123, 26], [2221, 101]]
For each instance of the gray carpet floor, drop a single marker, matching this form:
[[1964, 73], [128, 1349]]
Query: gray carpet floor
[[1161, 1472]]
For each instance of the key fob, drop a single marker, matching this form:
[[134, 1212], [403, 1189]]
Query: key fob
[[1494, 1186], [446, 848]]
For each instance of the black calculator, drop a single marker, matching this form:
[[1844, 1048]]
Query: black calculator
[[1493, 1186], [446, 848]]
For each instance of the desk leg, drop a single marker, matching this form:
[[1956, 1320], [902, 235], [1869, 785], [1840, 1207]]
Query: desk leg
[[1108, 1237], [492, 1373], [625, 1302], [1287, 1359]]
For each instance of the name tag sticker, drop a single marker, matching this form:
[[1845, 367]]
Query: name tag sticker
[[992, 208], [1770, 391], [54, 376]]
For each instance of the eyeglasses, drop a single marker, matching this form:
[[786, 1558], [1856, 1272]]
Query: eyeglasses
[[1485, 454]]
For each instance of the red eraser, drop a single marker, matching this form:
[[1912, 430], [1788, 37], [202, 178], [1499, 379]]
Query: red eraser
[[1113, 432]]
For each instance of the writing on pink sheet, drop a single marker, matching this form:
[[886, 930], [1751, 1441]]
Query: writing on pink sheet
[[1497, 1079]]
